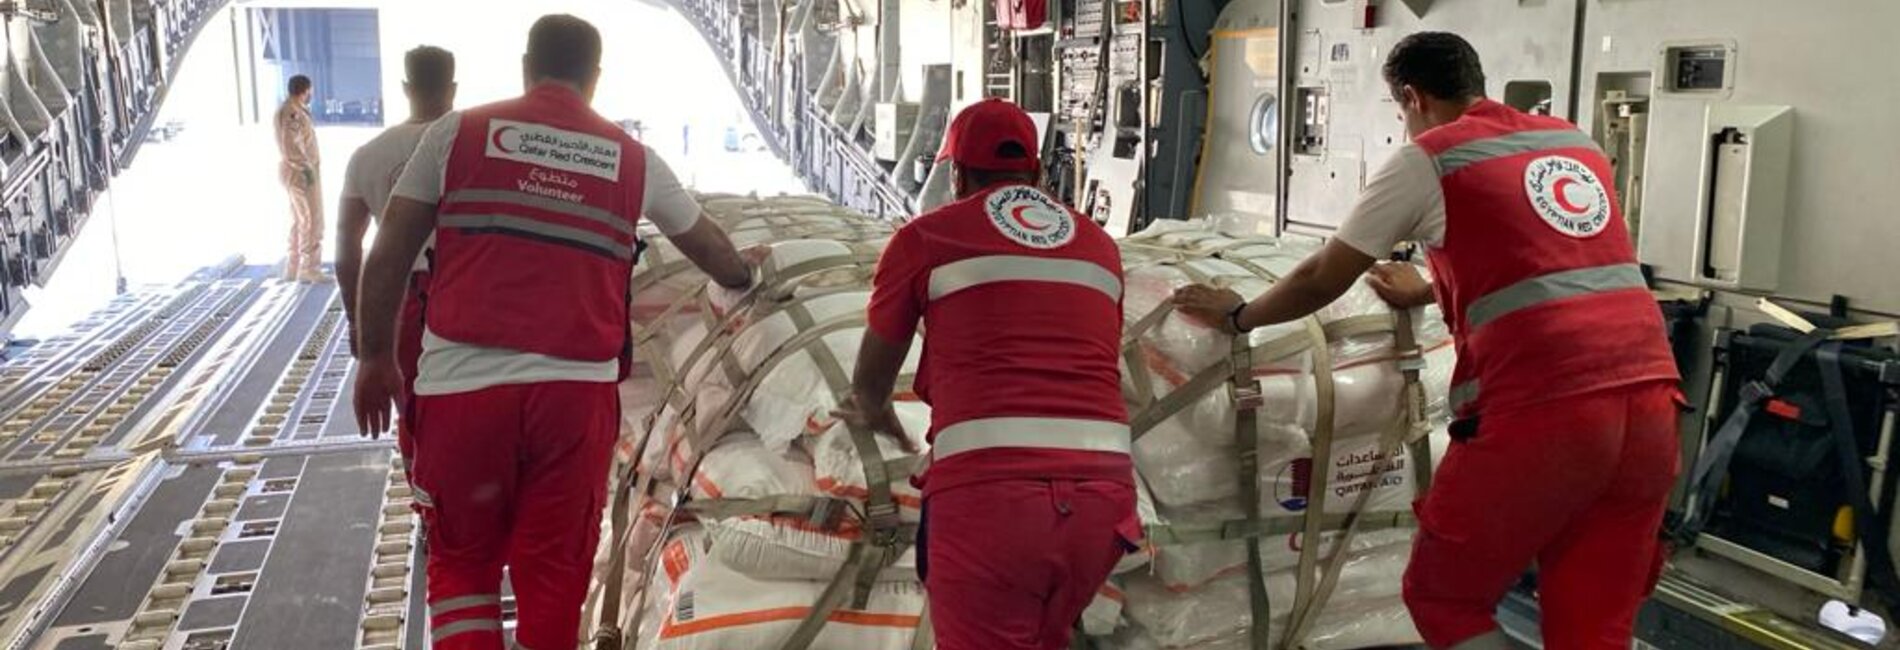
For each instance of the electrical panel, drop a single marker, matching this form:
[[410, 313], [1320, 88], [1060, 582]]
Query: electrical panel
[[1697, 68], [1309, 128], [1744, 200], [1081, 65]]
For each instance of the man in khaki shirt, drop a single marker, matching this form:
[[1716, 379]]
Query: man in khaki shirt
[[299, 172]]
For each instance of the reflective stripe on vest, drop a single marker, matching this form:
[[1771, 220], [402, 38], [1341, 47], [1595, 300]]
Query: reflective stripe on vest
[[1463, 395], [1477, 151], [542, 231], [578, 210], [976, 271], [1035, 433], [1552, 286]]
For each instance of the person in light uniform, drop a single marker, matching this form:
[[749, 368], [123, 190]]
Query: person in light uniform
[[1565, 388], [1029, 499], [368, 182], [533, 204], [300, 172]]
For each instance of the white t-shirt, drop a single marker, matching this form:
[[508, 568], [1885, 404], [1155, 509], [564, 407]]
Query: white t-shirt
[[449, 367], [1402, 202], [373, 171]]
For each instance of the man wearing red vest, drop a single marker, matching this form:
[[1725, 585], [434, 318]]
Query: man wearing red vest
[[533, 203], [1564, 388], [1029, 498]]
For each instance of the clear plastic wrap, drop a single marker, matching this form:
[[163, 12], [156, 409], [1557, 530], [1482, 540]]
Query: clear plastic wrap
[[1365, 609], [1195, 595], [1169, 595]]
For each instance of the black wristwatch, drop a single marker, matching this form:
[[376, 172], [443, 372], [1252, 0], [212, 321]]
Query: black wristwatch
[[1233, 318]]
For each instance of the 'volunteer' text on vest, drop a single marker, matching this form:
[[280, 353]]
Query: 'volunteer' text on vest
[[1537, 275], [535, 239]]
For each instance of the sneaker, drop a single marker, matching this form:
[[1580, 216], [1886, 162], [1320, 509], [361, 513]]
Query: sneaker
[[315, 278]]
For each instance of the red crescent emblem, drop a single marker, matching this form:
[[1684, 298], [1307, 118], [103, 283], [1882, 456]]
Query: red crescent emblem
[[1563, 199], [498, 133], [1017, 214]]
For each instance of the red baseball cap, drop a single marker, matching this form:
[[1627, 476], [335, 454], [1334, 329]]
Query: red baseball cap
[[979, 134]]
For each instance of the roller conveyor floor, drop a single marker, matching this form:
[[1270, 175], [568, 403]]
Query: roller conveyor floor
[[181, 471]]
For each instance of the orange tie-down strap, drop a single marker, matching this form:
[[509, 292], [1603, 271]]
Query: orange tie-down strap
[[673, 629]]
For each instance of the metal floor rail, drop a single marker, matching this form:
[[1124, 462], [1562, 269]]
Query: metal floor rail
[[179, 472]]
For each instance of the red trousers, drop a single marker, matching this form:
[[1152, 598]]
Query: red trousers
[[1011, 564], [513, 476], [1577, 486], [409, 327]]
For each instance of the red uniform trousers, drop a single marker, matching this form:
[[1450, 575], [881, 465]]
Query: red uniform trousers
[[1011, 564], [409, 328], [513, 475], [1577, 485]]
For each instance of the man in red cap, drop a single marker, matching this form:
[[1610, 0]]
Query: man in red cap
[[1029, 500]]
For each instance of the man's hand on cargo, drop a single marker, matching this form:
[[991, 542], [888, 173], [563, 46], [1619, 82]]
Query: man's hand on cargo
[[1319, 280], [1209, 306], [724, 298], [1400, 285], [378, 382], [878, 419], [707, 245]]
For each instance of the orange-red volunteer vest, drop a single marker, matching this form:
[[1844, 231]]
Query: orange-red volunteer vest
[[1537, 276], [535, 236]]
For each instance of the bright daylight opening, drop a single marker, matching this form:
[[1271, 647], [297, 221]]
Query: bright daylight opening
[[204, 187]]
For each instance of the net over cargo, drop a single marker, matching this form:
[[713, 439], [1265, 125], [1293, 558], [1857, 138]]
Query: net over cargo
[[1276, 469]]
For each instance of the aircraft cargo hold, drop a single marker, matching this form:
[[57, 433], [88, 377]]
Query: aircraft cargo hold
[[745, 515]]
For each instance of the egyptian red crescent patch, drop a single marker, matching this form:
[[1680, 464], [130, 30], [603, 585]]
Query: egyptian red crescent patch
[[1567, 195], [1029, 217]]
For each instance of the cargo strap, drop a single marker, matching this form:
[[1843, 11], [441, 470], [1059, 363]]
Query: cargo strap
[[607, 635], [1317, 487], [1244, 389], [1869, 533], [1241, 529], [825, 513], [719, 344], [886, 536], [925, 637], [718, 341], [1204, 382], [1415, 422], [1711, 469], [1412, 430], [1314, 583], [1140, 380]]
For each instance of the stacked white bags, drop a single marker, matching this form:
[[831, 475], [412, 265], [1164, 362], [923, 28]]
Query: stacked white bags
[[1196, 595], [746, 417]]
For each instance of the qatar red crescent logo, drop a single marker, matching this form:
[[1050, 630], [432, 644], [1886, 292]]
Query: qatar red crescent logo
[[502, 141], [1567, 195], [1027, 216]]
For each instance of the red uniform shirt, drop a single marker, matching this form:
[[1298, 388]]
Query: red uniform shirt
[[1021, 298], [535, 237], [1537, 275]]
